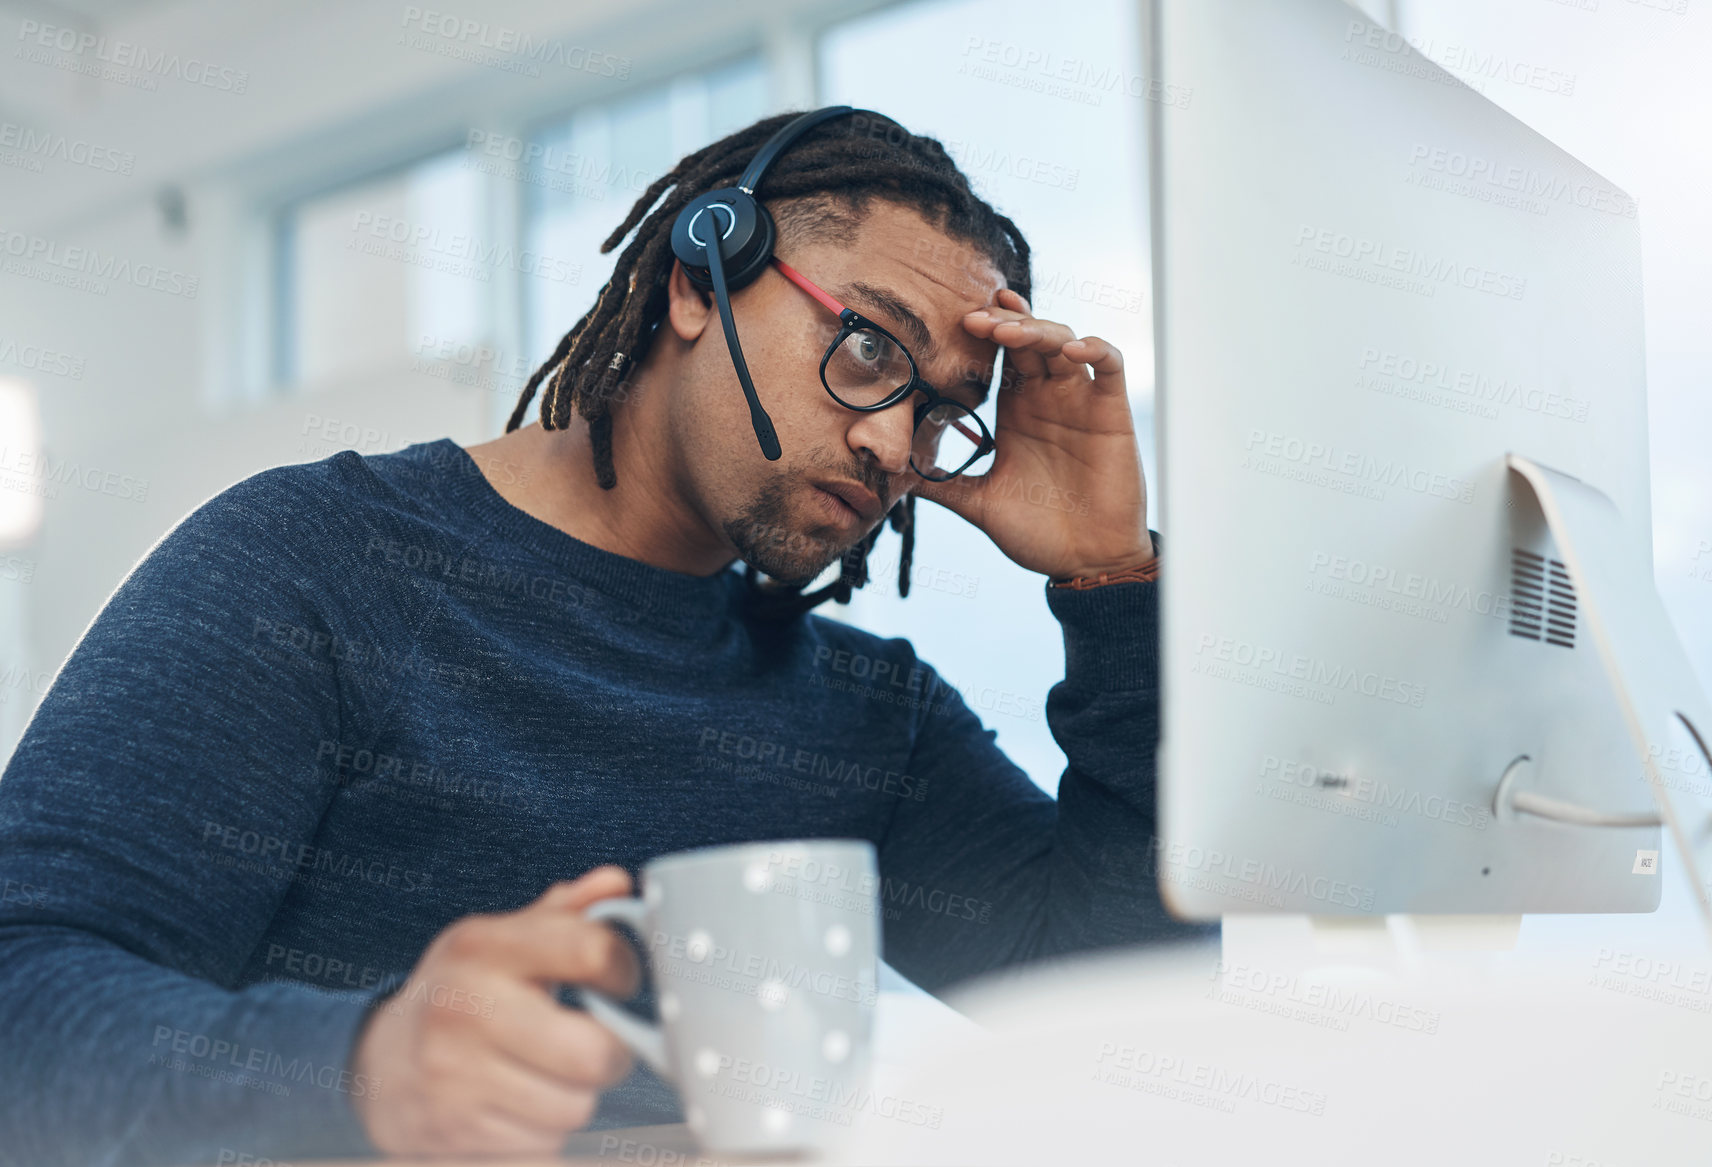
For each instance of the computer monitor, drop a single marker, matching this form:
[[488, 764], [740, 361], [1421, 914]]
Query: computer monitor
[[1375, 291]]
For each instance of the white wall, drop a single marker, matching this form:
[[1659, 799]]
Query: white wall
[[174, 388]]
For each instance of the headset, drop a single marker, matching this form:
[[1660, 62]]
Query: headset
[[743, 236]]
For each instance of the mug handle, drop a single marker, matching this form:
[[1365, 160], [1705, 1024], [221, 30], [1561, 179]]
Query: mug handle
[[646, 1040]]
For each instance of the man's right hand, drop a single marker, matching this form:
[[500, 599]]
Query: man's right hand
[[474, 1054]]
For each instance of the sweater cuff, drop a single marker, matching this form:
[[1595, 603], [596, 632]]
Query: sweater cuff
[[1111, 635], [319, 1029]]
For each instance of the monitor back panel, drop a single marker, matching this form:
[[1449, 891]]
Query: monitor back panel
[[1371, 283]]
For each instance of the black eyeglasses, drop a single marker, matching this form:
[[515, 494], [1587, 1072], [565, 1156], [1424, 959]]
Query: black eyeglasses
[[866, 369]]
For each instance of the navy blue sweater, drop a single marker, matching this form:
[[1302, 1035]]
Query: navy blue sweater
[[343, 704]]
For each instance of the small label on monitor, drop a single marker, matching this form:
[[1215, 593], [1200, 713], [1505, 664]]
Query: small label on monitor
[[1646, 863]]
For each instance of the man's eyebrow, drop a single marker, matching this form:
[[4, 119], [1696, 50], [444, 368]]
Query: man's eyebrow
[[889, 302], [886, 301]]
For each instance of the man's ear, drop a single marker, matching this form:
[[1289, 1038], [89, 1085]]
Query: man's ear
[[688, 309]]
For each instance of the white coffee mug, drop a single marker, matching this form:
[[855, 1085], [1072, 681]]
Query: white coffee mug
[[765, 960]]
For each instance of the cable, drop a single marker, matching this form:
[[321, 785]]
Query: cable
[[1542, 806], [1556, 809]]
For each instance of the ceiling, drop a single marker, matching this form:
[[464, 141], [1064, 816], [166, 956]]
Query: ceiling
[[79, 12]]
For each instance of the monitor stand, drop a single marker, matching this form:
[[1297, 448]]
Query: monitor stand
[[1363, 949], [1651, 677]]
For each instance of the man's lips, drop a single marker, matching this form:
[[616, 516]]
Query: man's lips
[[858, 498]]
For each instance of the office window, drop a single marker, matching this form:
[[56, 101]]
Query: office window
[[432, 257], [595, 164], [1043, 107], [366, 270]]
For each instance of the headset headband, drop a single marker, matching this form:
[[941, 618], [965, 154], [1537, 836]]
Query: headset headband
[[781, 141]]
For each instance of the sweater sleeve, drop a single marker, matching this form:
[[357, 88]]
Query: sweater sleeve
[[988, 870], [152, 820]]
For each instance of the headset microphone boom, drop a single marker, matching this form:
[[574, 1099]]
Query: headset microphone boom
[[724, 239]]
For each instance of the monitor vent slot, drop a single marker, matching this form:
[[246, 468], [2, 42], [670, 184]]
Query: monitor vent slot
[[1542, 604]]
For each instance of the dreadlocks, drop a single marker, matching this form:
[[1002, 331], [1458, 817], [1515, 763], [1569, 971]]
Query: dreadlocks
[[819, 188]]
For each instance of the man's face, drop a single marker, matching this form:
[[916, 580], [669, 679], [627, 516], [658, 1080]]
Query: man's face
[[786, 517]]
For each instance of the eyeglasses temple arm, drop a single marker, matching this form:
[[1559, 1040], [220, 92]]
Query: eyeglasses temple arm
[[802, 281], [980, 440]]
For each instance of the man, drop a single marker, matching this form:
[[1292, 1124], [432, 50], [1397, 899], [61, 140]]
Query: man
[[302, 810]]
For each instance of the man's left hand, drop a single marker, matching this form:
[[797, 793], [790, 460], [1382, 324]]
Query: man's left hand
[[1065, 495]]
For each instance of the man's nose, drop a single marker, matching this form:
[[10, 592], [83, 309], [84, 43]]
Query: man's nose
[[886, 435]]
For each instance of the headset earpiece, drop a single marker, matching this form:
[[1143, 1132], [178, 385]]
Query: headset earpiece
[[744, 230], [724, 239]]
